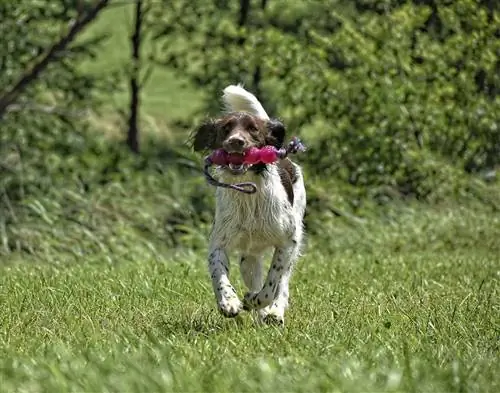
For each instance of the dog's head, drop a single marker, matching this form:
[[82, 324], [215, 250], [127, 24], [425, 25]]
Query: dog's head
[[237, 132]]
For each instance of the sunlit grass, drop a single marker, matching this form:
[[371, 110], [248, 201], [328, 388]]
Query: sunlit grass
[[382, 321]]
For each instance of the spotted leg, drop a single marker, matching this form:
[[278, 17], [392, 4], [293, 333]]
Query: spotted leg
[[273, 297], [275, 312], [228, 302]]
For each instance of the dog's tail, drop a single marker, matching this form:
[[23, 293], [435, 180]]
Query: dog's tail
[[237, 99]]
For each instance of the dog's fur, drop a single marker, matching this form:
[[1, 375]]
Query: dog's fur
[[253, 223]]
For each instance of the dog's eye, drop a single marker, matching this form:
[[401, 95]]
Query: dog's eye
[[226, 129]]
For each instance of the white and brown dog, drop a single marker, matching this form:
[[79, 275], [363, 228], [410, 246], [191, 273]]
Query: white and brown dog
[[271, 218]]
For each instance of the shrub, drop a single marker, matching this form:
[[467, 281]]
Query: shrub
[[406, 92]]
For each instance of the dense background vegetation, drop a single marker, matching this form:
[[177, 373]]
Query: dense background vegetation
[[397, 101]]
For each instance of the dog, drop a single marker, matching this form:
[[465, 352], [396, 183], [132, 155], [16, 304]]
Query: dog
[[270, 219]]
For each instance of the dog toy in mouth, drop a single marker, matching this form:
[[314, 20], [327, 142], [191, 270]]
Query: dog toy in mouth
[[266, 155], [254, 155]]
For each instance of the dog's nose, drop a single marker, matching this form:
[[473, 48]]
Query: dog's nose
[[234, 143]]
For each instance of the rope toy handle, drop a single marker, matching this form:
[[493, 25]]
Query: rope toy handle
[[293, 147], [246, 187]]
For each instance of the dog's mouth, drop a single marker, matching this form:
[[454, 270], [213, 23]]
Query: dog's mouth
[[236, 165], [238, 169]]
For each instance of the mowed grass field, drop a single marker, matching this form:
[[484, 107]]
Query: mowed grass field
[[375, 307], [380, 321]]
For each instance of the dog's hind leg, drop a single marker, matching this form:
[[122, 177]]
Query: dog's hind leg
[[251, 271], [218, 264]]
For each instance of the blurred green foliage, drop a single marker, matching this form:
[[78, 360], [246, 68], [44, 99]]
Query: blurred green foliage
[[48, 124], [398, 95], [394, 99]]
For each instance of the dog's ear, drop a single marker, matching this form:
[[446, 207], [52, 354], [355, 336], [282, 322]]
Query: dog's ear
[[276, 133], [204, 137]]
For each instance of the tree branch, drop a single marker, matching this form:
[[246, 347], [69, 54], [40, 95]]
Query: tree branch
[[30, 75]]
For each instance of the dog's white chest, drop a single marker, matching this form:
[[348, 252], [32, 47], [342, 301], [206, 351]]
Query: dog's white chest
[[256, 221]]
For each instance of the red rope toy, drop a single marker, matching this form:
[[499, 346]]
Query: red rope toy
[[266, 155]]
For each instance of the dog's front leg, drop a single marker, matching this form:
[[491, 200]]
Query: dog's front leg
[[277, 276], [228, 302]]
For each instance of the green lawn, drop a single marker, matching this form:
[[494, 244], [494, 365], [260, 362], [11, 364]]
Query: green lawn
[[377, 320]]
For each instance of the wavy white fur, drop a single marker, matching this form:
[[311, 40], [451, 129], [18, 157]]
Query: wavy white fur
[[253, 224], [237, 99]]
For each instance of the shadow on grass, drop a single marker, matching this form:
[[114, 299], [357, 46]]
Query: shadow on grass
[[205, 323]]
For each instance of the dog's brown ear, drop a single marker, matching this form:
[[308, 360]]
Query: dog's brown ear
[[204, 137], [276, 133]]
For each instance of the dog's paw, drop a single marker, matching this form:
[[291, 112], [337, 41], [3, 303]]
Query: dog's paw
[[274, 320], [249, 301], [253, 301], [230, 307], [272, 316]]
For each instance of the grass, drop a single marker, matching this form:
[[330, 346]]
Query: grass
[[380, 320]]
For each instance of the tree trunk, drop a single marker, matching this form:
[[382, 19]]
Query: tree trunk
[[135, 88], [257, 74], [244, 11]]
